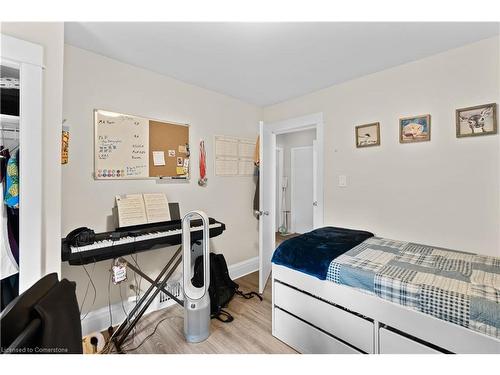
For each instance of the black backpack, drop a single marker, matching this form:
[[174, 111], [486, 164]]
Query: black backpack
[[222, 289]]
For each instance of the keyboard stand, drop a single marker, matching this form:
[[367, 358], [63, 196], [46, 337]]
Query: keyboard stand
[[157, 285]]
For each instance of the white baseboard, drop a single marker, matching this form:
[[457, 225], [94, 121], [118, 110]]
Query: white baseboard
[[98, 320], [243, 268]]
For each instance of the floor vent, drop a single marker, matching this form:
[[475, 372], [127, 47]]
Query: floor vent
[[175, 289]]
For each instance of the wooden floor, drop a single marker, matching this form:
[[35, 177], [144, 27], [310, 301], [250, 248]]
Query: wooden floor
[[280, 238], [250, 332]]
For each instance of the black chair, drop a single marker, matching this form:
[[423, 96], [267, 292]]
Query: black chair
[[44, 319]]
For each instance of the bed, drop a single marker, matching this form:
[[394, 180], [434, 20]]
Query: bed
[[338, 290]]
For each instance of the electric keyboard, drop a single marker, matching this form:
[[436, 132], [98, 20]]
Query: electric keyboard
[[135, 239]]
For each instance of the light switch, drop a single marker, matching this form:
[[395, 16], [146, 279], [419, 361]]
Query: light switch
[[342, 180]]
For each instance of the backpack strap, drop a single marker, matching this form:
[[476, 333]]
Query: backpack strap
[[228, 318], [249, 295]]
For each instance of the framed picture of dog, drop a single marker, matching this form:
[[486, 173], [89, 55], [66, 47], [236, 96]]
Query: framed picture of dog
[[415, 129], [368, 135], [477, 120]]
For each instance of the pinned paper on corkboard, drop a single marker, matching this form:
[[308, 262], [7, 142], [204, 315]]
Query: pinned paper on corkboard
[[181, 170], [158, 158]]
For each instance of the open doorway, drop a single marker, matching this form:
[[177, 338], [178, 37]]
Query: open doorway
[[269, 183], [295, 170]]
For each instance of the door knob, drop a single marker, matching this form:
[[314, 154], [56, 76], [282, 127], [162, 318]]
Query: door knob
[[315, 203], [260, 213]]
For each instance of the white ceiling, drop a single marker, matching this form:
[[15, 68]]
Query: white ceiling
[[266, 63]]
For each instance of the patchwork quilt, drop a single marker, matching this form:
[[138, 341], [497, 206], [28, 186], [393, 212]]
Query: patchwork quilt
[[454, 286]]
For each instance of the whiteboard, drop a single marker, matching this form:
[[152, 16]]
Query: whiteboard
[[121, 146]]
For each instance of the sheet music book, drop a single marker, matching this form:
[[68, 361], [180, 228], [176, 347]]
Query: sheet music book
[[156, 207], [131, 210], [137, 209]]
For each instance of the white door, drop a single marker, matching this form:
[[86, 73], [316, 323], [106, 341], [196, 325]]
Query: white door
[[317, 212], [302, 189], [267, 207], [279, 186]]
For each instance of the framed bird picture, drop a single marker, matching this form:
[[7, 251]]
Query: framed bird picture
[[368, 135]]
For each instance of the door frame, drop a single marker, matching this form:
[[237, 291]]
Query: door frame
[[271, 130], [280, 164], [292, 169], [33, 256]]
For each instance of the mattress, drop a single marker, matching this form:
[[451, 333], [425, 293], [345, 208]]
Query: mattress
[[458, 287]]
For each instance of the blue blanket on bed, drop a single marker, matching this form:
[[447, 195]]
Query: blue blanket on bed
[[313, 252]]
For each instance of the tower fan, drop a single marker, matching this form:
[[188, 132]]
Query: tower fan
[[196, 300]]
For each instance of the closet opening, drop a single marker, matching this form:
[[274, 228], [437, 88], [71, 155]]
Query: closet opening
[[9, 181]]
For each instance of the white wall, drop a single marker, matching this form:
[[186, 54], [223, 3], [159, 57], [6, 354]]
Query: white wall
[[287, 142], [444, 192], [92, 81], [50, 35]]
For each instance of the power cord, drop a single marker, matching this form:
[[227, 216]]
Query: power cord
[[109, 300], [90, 282], [151, 334]]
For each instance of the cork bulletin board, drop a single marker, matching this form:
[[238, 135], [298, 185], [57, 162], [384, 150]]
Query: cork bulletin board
[[173, 141], [133, 147]]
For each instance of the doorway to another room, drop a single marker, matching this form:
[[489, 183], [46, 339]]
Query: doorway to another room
[[295, 177], [290, 197]]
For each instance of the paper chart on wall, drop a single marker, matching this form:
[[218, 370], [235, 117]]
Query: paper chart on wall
[[226, 166], [246, 167], [234, 156], [225, 146], [121, 146], [246, 149]]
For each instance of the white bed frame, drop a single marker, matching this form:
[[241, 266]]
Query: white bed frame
[[317, 316]]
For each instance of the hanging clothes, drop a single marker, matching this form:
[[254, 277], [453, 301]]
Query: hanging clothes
[[13, 231], [12, 220], [256, 153], [9, 234], [8, 263], [256, 161], [256, 197], [12, 183]]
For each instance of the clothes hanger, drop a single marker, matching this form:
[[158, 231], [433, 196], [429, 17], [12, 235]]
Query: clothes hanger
[[15, 147]]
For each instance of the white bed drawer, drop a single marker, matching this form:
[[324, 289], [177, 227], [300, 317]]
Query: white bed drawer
[[305, 338], [338, 322], [393, 343]]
